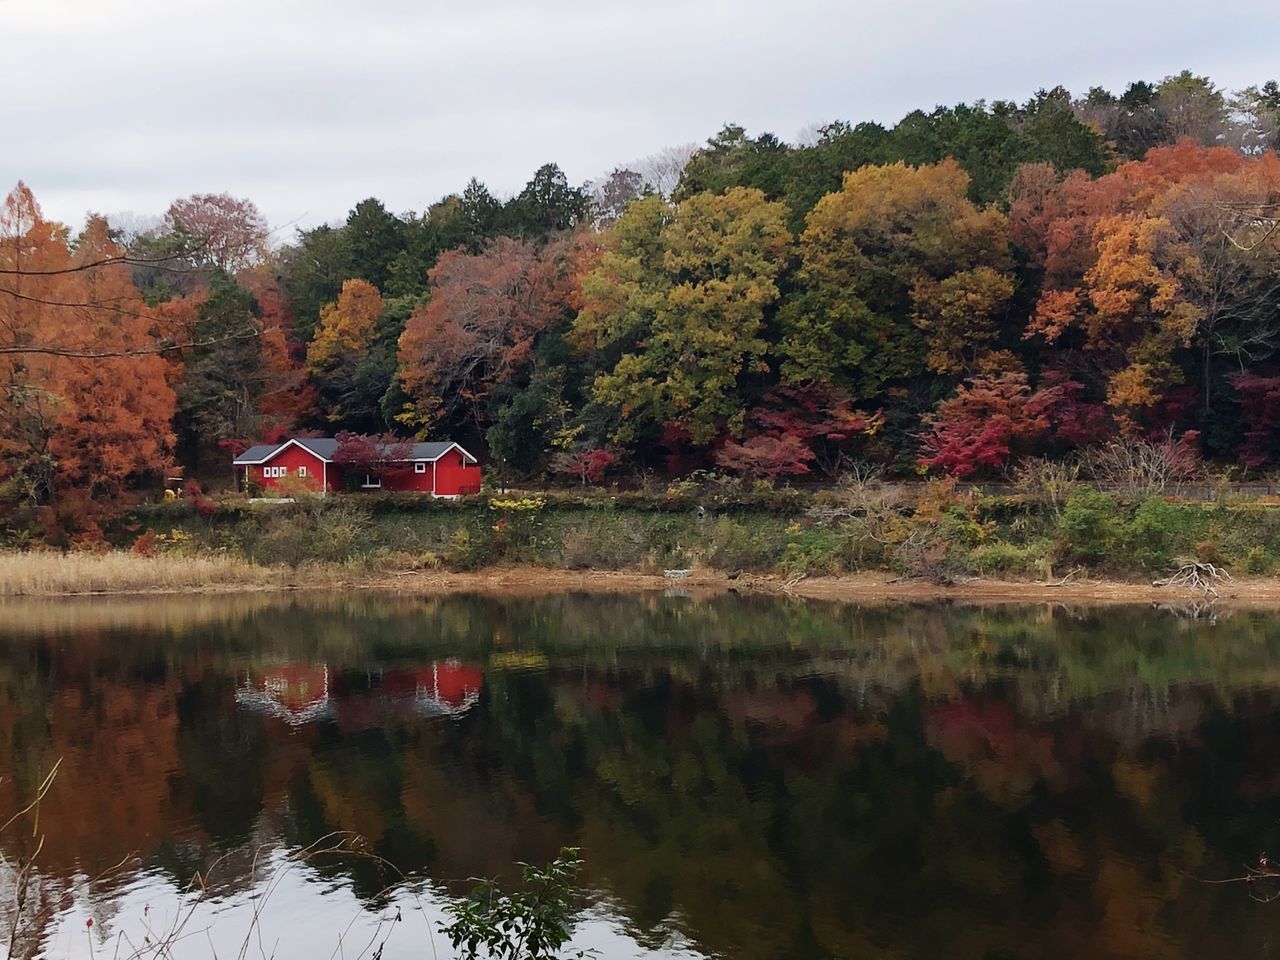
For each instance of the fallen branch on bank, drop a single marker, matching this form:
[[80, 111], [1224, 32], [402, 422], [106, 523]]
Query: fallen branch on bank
[[1196, 575]]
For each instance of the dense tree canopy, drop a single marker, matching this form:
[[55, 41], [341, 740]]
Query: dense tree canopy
[[971, 284]]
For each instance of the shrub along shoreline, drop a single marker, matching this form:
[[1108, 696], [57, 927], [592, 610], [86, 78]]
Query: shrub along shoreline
[[931, 533]]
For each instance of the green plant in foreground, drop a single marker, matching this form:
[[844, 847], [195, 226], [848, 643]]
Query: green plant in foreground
[[1089, 526], [532, 924]]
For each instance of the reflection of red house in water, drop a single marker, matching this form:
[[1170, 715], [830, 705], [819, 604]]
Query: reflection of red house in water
[[294, 693], [301, 694]]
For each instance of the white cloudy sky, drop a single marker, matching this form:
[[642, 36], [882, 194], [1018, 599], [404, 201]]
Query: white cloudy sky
[[307, 106]]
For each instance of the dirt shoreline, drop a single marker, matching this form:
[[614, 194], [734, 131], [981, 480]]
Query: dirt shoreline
[[524, 581], [870, 587]]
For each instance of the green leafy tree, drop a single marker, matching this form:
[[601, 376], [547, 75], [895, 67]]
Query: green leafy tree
[[546, 205], [982, 140], [1053, 134], [313, 270], [732, 159], [895, 267], [373, 238], [676, 308], [460, 221], [819, 169]]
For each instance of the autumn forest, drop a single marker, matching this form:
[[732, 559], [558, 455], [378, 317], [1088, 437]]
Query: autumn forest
[[967, 287]]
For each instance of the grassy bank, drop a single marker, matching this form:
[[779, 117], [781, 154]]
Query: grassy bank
[[926, 531], [929, 533]]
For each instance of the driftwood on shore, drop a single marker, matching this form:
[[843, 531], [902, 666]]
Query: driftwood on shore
[[1196, 575]]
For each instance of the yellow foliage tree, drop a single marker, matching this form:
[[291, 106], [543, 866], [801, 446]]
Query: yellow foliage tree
[[346, 326]]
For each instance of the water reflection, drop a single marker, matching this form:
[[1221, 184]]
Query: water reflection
[[302, 692], [747, 777]]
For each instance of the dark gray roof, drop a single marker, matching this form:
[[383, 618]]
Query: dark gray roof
[[257, 453], [432, 450], [324, 448]]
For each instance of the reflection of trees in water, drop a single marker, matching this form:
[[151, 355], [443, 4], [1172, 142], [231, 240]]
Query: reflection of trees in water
[[786, 778]]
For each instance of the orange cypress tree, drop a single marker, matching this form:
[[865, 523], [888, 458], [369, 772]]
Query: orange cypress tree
[[85, 400]]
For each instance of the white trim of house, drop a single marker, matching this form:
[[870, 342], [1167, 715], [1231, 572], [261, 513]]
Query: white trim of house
[[294, 442], [465, 455], [291, 442]]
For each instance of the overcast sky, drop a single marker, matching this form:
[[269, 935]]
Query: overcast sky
[[307, 106]]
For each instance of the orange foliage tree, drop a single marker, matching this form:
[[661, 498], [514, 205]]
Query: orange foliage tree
[[85, 402], [344, 338], [289, 394], [1139, 266], [479, 328]]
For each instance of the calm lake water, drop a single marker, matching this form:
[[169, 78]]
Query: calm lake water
[[746, 777]]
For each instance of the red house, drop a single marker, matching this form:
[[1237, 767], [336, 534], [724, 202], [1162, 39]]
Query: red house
[[440, 468]]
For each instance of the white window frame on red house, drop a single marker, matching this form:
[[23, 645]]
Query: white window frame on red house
[[371, 482], [420, 467], [302, 471]]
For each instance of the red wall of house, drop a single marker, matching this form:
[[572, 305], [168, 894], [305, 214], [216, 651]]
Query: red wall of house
[[454, 477], [293, 458], [404, 478]]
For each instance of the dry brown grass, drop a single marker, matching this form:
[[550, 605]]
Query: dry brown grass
[[56, 574]]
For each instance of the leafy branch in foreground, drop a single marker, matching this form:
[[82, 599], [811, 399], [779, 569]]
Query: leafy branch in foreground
[[1260, 879], [532, 924]]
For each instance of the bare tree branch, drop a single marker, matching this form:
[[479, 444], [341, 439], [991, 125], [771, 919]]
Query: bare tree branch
[[159, 348], [110, 304], [123, 259]]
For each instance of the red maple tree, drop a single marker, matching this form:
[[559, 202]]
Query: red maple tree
[[375, 454], [989, 418], [766, 457], [1260, 400]]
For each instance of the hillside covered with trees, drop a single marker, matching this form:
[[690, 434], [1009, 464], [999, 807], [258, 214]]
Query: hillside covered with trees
[[969, 287]]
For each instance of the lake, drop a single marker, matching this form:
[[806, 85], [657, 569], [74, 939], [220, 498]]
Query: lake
[[746, 777]]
